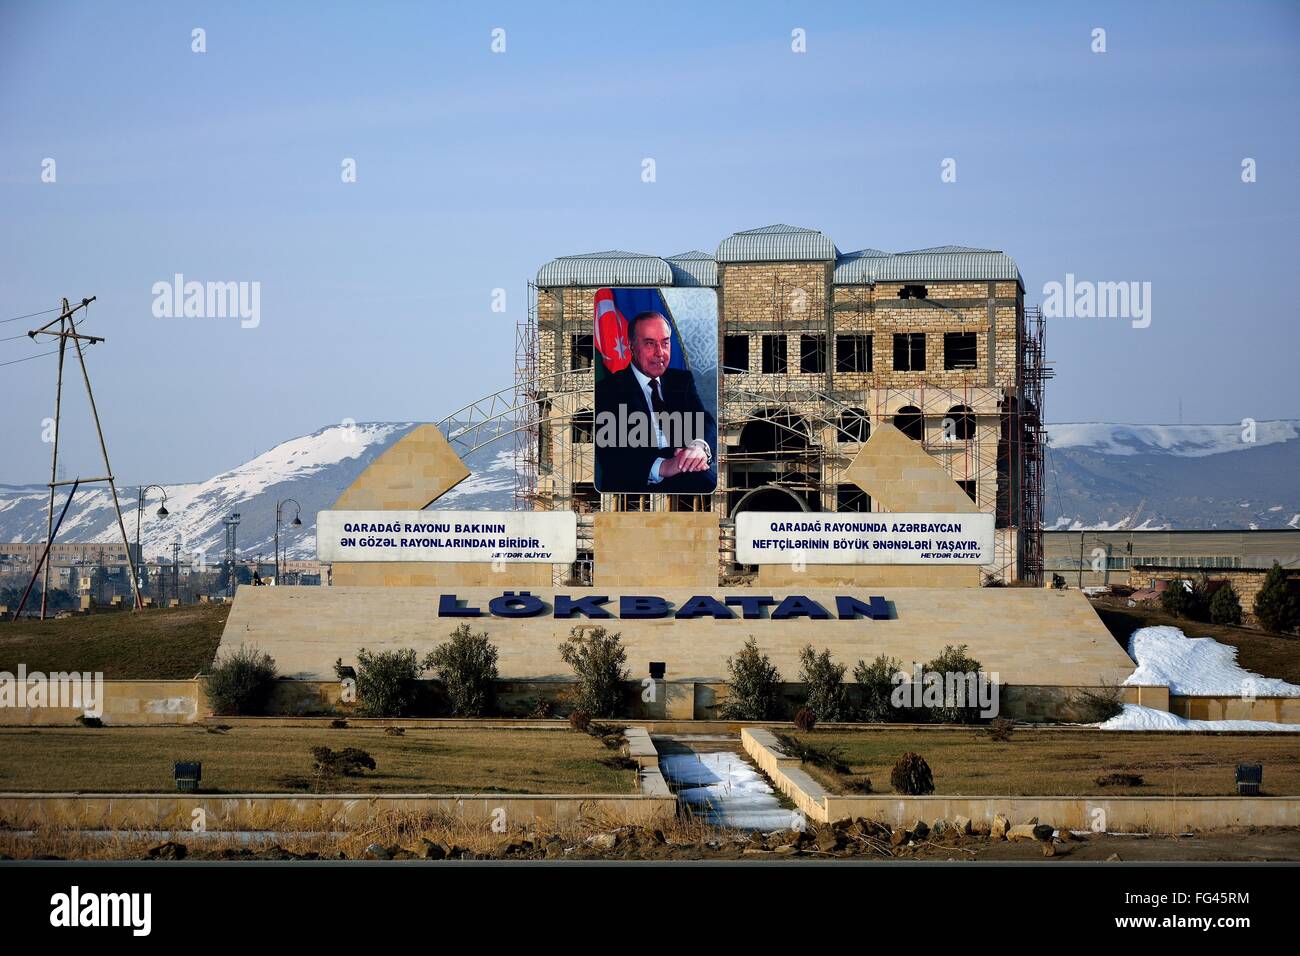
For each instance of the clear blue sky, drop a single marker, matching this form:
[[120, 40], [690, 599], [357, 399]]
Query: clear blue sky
[[475, 168]]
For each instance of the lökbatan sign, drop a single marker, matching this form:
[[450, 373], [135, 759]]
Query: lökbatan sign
[[633, 607], [512, 537], [764, 537]]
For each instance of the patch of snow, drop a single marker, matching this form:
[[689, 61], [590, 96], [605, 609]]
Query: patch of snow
[[498, 476], [1189, 441], [1196, 665], [726, 790], [1075, 524], [1148, 718]]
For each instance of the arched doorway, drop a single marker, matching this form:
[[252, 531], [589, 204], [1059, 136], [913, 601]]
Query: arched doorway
[[910, 423], [771, 431], [963, 423], [773, 445], [770, 498]]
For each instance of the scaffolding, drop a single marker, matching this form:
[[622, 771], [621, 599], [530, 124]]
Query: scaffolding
[[526, 425], [1031, 433], [788, 424]]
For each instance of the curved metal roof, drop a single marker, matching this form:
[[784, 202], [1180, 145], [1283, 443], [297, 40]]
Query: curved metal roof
[[694, 268], [613, 267], [942, 263], [858, 268], [779, 243], [776, 243]]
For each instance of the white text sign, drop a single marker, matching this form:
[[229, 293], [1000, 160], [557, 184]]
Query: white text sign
[[814, 537], [514, 537]]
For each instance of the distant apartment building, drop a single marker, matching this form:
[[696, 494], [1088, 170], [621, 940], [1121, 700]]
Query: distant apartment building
[[16, 555]]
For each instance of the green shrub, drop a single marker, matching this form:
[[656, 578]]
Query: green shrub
[[828, 698], [467, 667], [386, 682], [876, 686], [955, 661], [754, 686], [241, 682], [1225, 606], [1185, 598], [1275, 607], [912, 776], [597, 659], [348, 762]]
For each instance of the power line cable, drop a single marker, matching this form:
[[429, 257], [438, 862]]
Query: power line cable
[[28, 315], [36, 356], [23, 335], [29, 358]]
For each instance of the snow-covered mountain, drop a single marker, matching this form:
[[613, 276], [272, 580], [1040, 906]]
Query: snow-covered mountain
[[313, 470], [1190, 476], [1237, 476]]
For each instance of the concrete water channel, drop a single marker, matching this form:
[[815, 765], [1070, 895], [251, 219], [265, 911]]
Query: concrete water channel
[[714, 779]]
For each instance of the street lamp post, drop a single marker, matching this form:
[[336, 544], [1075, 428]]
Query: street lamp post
[[296, 522], [139, 507], [176, 570]]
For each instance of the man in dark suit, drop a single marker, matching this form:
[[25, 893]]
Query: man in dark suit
[[663, 436]]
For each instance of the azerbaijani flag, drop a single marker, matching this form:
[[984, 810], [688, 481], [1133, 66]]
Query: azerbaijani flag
[[613, 307], [609, 333]]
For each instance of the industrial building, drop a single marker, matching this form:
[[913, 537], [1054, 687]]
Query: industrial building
[[816, 347], [1100, 558]]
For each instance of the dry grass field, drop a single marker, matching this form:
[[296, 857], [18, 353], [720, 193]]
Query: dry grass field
[[278, 760], [967, 762], [152, 644]]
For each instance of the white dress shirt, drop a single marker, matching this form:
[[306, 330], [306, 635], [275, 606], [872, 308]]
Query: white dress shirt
[[660, 439]]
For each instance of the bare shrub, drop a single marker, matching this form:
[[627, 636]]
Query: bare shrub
[[911, 775]]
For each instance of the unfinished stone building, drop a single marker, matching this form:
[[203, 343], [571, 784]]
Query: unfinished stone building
[[816, 347]]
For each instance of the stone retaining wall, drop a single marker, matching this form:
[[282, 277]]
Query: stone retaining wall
[[133, 702], [1113, 814]]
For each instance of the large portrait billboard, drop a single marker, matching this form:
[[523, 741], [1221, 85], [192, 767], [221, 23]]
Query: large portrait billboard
[[656, 371]]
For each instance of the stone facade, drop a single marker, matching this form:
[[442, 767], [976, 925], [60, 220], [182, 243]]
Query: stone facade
[[639, 548], [428, 574], [820, 358], [412, 473], [1025, 635]]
